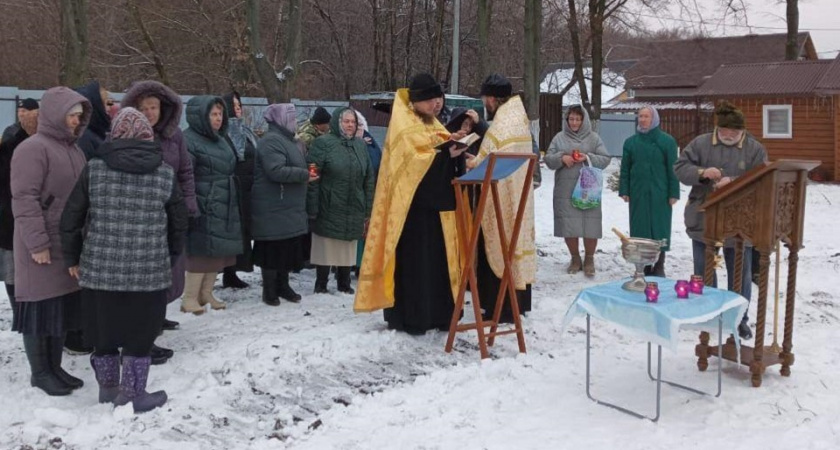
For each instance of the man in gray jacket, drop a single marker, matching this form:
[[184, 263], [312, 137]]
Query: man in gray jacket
[[710, 162]]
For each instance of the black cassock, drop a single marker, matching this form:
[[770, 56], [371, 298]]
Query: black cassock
[[422, 294], [488, 288]]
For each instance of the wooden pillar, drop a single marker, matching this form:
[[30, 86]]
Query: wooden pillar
[[790, 299]]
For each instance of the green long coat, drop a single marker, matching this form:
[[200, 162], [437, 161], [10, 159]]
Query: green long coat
[[647, 177], [342, 199]]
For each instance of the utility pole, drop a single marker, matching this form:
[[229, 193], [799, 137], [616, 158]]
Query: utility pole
[[456, 52]]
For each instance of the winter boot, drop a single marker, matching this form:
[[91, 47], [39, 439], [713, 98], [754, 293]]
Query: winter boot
[[107, 371], [322, 276], [589, 266], [169, 325], [575, 265], [135, 374], [160, 355], [192, 287], [342, 275], [205, 295], [284, 290], [231, 280], [38, 353], [269, 292], [56, 347], [744, 330], [659, 267]]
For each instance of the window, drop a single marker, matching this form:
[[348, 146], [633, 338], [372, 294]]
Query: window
[[778, 121]]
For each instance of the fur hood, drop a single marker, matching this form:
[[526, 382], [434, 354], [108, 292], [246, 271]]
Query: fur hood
[[171, 106]]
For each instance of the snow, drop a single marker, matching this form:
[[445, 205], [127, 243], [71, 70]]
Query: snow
[[611, 87], [316, 376]]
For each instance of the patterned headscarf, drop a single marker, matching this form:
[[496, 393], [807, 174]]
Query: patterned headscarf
[[132, 124]]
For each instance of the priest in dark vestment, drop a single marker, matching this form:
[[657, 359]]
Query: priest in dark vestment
[[509, 132], [411, 264]]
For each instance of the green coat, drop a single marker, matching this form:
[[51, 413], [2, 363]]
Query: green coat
[[647, 177], [342, 199], [217, 231]]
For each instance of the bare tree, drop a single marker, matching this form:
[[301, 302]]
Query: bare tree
[[792, 44], [74, 32], [293, 51], [533, 27], [269, 79], [149, 40], [485, 15]]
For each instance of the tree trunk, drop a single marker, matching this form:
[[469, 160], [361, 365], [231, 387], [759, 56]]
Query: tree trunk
[[292, 51], [596, 25], [392, 28], [339, 43], [75, 68], [792, 44], [533, 26], [407, 66], [574, 32], [485, 13], [378, 52], [269, 80], [437, 51], [150, 42]]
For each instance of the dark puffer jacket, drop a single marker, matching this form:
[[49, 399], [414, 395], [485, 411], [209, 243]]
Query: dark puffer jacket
[[342, 199], [217, 231], [100, 122]]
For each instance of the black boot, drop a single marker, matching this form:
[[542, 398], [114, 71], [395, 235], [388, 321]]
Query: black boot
[[38, 352], [56, 348], [284, 290], [269, 292], [744, 330], [659, 267], [342, 275], [231, 280], [160, 355], [169, 325], [322, 276], [74, 343]]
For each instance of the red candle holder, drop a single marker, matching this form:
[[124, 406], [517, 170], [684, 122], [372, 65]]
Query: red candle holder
[[313, 170], [682, 289], [652, 292], [696, 284]]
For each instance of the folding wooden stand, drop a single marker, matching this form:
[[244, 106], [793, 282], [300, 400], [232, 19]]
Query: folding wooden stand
[[764, 206], [487, 175]]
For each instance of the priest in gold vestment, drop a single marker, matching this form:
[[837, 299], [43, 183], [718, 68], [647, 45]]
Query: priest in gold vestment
[[411, 264]]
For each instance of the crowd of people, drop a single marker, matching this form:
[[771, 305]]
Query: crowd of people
[[109, 214]]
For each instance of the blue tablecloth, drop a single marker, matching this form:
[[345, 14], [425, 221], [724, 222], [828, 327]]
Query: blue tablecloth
[[659, 322]]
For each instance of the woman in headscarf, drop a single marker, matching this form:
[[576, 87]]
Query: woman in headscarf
[[340, 202], [648, 182], [45, 168], [130, 206], [244, 141], [215, 236], [375, 153], [577, 138], [278, 204]]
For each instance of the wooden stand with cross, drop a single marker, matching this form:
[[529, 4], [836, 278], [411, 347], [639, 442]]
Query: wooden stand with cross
[[487, 175]]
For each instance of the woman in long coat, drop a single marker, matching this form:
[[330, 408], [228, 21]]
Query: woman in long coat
[[341, 201], [45, 168], [215, 236], [648, 182], [569, 222]]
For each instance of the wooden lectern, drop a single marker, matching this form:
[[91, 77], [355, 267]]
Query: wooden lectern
[[764, 206], [496, 167]]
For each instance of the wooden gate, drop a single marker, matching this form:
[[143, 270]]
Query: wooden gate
[[551, 118]]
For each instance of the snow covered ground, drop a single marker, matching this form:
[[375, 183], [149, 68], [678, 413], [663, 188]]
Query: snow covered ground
[[316, 376]]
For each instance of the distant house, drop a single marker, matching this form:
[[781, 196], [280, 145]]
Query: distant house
[[791, 107]]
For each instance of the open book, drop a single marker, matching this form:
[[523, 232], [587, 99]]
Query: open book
[[464, 142]]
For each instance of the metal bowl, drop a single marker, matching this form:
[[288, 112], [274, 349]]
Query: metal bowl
[[641, 251]]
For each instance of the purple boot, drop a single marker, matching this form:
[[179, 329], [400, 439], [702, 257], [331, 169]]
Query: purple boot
[[135, 374], [107, 370]]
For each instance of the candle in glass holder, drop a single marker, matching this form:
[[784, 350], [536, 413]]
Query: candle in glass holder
[[682, 289], [313, 170], [652, 292], [696, 284]]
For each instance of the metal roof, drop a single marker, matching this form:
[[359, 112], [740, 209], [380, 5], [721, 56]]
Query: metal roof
[[781, 78]]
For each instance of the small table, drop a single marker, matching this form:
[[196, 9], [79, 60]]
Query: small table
[[658, 323]]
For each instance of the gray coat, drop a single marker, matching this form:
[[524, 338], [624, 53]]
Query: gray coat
[[278, 201], [706, 151], [45, 168], [568, 220]]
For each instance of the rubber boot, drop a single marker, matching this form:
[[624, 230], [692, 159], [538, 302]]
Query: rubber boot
[[231, 280], [589, 266], [322, 277], [135, 374], [284, 290], [192, 287], [38, 354], [342, 275], [56, 348], [269, 287], [107, 371], [205, 295], [575, 265]]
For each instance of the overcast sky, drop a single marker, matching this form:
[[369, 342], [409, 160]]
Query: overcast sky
[[820, 17]]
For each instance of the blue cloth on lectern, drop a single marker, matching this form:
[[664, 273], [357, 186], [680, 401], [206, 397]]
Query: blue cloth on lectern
[[659, 322], [504, 168]]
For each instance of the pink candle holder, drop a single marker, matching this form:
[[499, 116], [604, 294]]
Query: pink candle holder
[[652, 292], [696, 284], [682, 289]]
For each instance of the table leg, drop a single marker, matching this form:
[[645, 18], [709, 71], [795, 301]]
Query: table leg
[[688, 388]]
